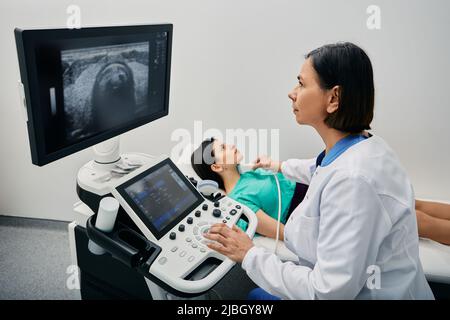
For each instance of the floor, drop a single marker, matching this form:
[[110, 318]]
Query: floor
[[34, 257], [35, 263]]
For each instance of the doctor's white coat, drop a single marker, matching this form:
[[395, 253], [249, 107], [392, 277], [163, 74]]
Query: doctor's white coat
[[355, 232]]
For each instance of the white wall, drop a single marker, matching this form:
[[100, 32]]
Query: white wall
[[233, 65]]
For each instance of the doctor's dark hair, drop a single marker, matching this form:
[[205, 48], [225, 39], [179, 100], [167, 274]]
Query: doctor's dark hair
[[202, 159], [346, 65]]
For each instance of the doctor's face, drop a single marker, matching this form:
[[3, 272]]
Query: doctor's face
[[308, 98]]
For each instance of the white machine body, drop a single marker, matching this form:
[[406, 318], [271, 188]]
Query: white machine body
[[98, 178]]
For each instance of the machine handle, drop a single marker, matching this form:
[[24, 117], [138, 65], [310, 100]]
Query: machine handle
[[124, 244], [252, 222]]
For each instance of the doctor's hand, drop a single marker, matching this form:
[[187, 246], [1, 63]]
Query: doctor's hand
[[265, 162], [231, 242]]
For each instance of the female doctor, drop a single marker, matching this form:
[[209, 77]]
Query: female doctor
[[355, 233]]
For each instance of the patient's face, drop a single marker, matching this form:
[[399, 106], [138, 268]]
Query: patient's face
[[308, 98], [226, 154]]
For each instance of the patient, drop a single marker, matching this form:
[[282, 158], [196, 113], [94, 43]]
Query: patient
[[217, 161], [433, 221]]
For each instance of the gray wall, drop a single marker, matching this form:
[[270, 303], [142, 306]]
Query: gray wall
[[233, 65]]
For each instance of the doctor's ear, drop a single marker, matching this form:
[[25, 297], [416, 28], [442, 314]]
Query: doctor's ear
[[333, 99], [216, 167]]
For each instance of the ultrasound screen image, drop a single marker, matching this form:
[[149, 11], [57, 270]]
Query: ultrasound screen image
[[104, 87], [88, 85], [162, 196]]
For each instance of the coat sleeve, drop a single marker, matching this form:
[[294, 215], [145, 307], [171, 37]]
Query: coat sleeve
[[299, 170], [352, 226]]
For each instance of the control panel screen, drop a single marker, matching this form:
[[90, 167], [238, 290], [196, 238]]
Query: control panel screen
[[161, 196]]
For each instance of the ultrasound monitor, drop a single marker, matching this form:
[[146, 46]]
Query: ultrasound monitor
[[161, 196], [84, 86]]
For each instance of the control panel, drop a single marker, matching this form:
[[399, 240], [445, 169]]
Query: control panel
[[170, 212]]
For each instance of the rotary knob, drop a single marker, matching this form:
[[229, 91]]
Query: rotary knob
[[190, 220], [172, 236], [216, 204], [217, 213], [205, 207], [198, 213]]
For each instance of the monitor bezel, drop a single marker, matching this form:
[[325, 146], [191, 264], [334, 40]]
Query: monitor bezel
[[27, 39], [156, 233]]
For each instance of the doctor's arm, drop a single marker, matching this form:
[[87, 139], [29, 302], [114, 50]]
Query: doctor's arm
[[352, 226], [298, 170]]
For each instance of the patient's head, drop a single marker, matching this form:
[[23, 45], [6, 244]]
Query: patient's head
[[213, 160]]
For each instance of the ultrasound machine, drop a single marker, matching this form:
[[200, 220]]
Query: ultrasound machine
[[85, 87]]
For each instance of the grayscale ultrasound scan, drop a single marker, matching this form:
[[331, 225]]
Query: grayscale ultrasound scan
[[104, 86]]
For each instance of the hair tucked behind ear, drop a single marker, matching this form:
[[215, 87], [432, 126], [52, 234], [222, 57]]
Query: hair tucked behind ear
[[202, 159]]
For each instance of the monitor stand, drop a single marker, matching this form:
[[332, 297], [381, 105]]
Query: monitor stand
[[109, 165], [108, 151]]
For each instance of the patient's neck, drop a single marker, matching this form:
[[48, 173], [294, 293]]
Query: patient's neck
[[230, 177]]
